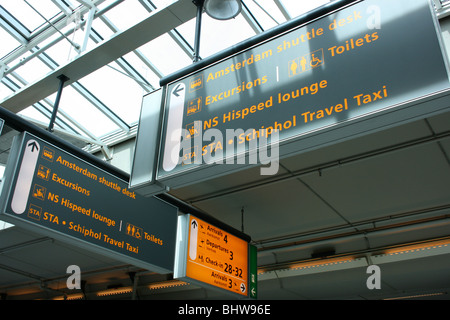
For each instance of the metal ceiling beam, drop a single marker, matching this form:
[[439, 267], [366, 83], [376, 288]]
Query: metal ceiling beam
[[174, 34], [124, 64], [158, 23], [67, 126], [13, 26]]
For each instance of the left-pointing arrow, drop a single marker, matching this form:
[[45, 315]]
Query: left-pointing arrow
[[178, 89], [172, 144]]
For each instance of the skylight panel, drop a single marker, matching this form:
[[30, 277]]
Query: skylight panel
[[85, 113], [5, 91], [165, 54], [8, 43], [266, 12], [127, 14], [46, 8], [33, 70], [24, 13], [120, 92]]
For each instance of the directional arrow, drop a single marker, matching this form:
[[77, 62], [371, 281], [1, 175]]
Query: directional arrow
[[177, 89], [193, 240], [25, 177], [33, 145], [242, 288]]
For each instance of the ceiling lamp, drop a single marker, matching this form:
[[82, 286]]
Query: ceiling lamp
[[222, 9]]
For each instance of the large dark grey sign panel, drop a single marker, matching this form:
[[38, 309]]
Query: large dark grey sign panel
[[349, 65], [53, 192]]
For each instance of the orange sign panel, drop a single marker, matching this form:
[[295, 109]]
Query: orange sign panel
[[216, 257]]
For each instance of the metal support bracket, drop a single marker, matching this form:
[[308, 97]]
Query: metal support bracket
[[198, 26], [107, 152], [62, 79]]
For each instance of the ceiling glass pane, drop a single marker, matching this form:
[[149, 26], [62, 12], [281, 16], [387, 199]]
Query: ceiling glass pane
[[33, 113], [23, 12], [4, 91], [217, 35], [266, 12], [85, 112], [45, 7], [166, 54], [144, 70], [8, 43], [116, 90]]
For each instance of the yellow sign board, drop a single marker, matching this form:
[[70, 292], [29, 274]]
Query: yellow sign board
[[216, 257]]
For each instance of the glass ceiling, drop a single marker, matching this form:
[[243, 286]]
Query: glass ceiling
[[38, 36]]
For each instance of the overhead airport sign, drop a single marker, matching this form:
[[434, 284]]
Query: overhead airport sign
[[350, 65], [51, 191], [208, 255]]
